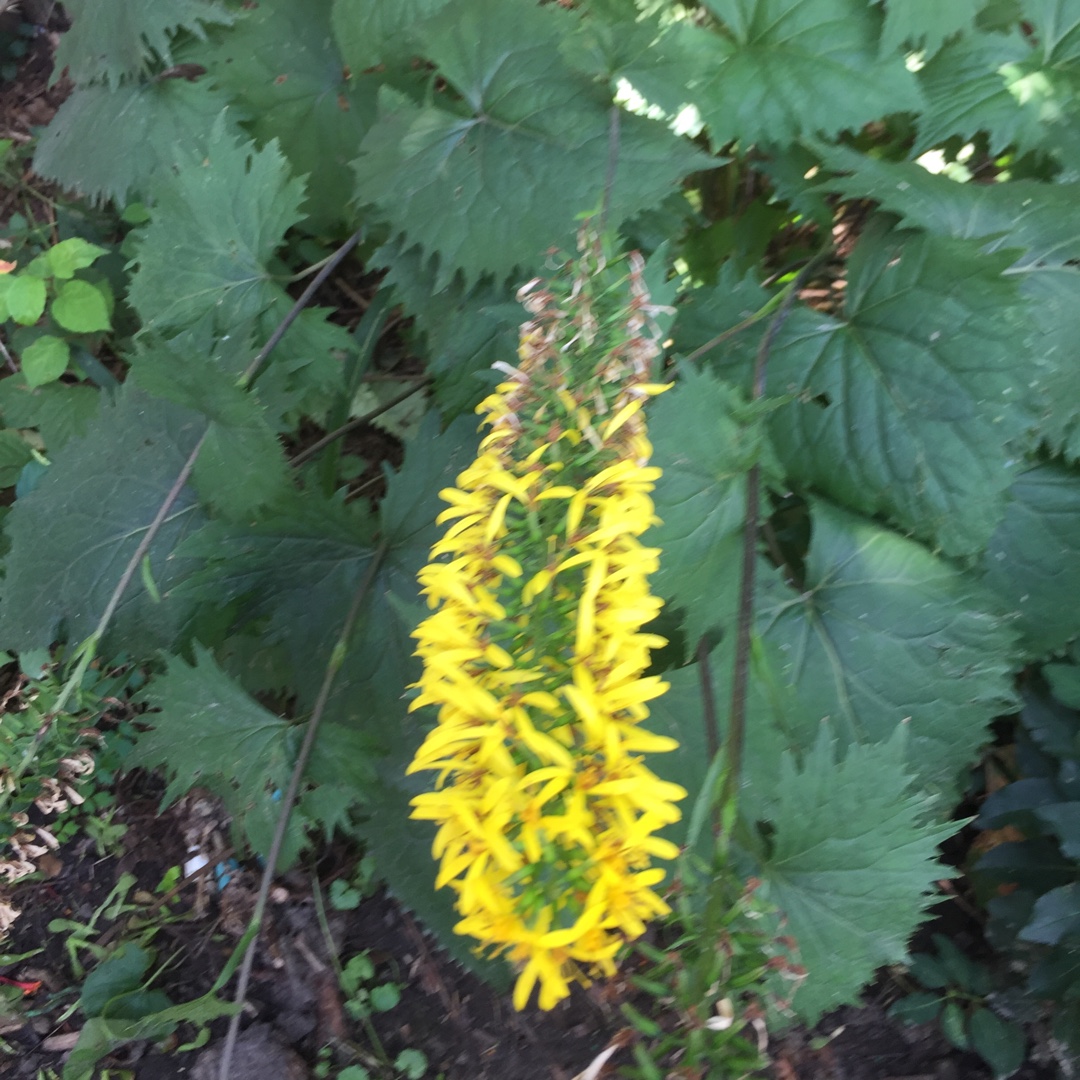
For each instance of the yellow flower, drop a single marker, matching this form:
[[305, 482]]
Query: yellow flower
[[534, 654]]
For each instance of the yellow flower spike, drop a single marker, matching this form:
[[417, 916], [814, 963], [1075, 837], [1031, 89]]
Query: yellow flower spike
[[534, 655]]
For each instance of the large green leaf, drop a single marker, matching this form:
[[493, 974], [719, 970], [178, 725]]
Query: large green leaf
[[59, 411], [883, 633], [848, 859], [926, 24], [296, 572], [15, 452], [465, 330], [705, 437], [1056, 24], [908, 399], [1033, 560], [207, 731], [281, 63], [1041, 222], [72, 537], [112, 39], [974, 85], [785, 68], [372, 32], [241, 466], [770, 731], [1053, 294], [299, 569], [380, 663], [494, 180], [110, 142], [217, 220], [850, 862]]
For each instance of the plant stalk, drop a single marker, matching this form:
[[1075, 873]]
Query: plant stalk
[[740, 682], [288, 800]]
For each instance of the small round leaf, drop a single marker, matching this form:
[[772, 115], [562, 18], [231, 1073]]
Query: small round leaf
[[80, 307], [72, 254], [412, 1063], [384, 997], [26, 299], [45, 360]]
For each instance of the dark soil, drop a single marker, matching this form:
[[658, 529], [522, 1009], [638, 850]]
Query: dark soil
[[297, 1010]]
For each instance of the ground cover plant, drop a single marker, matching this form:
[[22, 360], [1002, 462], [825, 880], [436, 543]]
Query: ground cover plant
[[774, 502]]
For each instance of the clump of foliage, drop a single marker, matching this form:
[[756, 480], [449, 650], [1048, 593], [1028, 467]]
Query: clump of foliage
[[878, 452], [1028, 878]]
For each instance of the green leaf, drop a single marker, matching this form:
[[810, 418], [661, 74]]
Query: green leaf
[[25, 299], [1064, 680], [372, 32], [119, 973], [1057, 29], [851, 865], [72, 254], [111, 142], [1063, 818], [297, 572], [1056, 915], [925, 24], [209, 732], [705, 437], [1000, 1044], [1033, 558], [241, 466], [466, 330], [280, 60], [412, 1063], [112, 39], [917, 1008], [953, 1026], [100, 1036], [973, 85], [928, 971], [962, 971], [215, 224], [80, 307], [882, 634], [380, 662], [58, 411], [908, 398], [343, 897], [15, 452], [1041, 220], [73, 536], [786, 68], [384, 997], [1053, 295], [45, 360], [493, 184]]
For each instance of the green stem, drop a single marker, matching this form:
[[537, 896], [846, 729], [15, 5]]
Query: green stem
[[776, 302], [745, 619]]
